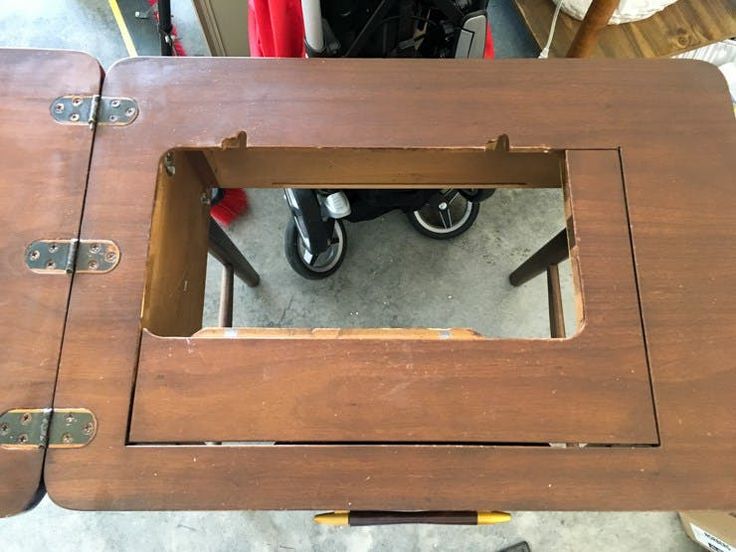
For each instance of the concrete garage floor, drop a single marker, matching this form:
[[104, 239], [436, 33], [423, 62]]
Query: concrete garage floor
[[392, 276]]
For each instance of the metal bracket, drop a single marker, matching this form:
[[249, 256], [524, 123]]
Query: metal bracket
[[67, 256], [94, 110], [33, 428]]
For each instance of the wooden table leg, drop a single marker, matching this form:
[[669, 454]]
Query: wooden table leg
[[553, 252], [226, 296], [554, 298], [597, 17], [224, 250]]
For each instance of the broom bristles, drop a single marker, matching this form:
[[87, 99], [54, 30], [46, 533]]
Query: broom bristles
[[234, 203]]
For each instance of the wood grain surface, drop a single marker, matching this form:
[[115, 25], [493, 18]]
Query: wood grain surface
[[682, 26], [43, 174], [681, 216]]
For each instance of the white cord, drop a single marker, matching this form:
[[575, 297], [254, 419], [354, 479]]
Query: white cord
[[544, 54]]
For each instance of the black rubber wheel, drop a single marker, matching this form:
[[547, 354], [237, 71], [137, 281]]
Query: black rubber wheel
[[306, 210], [446, 216], [323, 265], [477, 194]]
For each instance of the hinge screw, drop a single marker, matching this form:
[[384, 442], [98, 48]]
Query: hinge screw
[[77, 101], [92, 265], [115, 103], [112, 118], [67, 438], [130, 111], [25, 419], [94, 248], [34, 255], [110, 256], [22, 439], [53, 247], [4, 429], [51, 265], [74, 117], [59, 107], [88, 428], [69, 418]]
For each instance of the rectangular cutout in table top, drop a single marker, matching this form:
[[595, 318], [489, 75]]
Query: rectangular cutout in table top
[[173, 300]]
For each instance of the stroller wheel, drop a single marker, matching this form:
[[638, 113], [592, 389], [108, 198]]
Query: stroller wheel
[[310, 266], [477, 194], [445, 216]]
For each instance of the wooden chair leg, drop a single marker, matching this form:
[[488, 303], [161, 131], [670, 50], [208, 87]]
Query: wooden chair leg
[[554, 298], [220, 245], [226, 296], [553, 252], [224, 250], [597, 17]]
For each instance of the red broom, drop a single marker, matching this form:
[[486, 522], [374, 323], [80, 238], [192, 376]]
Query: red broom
[[227, 203]]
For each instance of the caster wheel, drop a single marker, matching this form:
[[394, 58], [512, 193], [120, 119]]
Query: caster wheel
[[310, 266], [447, 215], [477, 194]]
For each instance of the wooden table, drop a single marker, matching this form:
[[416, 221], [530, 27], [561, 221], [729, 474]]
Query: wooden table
[[635, 411]]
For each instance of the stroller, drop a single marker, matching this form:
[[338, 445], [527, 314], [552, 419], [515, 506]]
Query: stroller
[[315, 239]]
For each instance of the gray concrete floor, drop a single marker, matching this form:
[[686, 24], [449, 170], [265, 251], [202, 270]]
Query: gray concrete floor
[[392, 276]]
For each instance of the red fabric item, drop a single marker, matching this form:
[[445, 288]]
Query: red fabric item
[[275, 28]]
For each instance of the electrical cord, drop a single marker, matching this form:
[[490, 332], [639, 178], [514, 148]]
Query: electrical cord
[[544, 54]]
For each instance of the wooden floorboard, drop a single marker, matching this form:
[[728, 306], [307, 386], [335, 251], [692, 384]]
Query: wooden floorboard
[[683, 26]]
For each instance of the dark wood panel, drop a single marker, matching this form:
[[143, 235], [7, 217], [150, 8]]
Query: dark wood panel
[[486, 390], [43, 170], [681, 215], [682, 26]]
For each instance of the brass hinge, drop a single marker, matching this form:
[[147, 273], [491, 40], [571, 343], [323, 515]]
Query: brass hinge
[[93, 110], [67, 256], [32, 428]]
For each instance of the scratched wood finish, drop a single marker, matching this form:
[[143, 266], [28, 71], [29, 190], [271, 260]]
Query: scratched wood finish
[[681, 206], [683, 26], [436, 391], [43, 170]]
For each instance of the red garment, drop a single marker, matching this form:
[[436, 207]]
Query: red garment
[[275, 28]]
